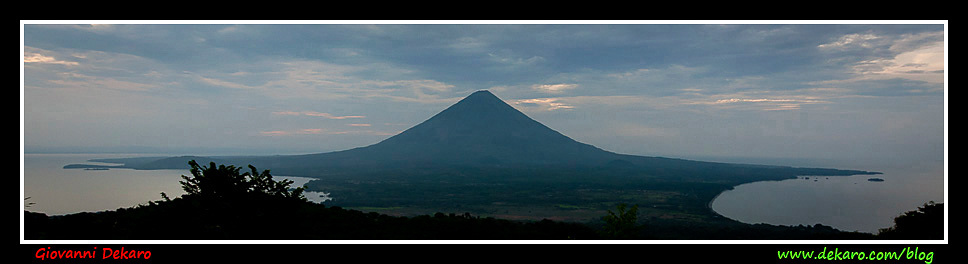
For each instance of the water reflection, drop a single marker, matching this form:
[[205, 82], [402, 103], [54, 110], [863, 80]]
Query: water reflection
[[852, 203], [316, 197], [57, 191]]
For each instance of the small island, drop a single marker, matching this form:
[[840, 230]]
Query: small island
[[91, 166], [875, 180]]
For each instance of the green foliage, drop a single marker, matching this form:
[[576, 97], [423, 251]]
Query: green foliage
[[621, 224], [222, 182]]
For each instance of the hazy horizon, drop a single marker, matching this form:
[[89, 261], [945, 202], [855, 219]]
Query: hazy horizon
[[858, 92]]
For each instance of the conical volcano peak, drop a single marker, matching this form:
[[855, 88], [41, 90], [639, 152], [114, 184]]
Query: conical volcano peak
[[483, 127], [482, 93], [481, 106], [482, 100], [481, 96]]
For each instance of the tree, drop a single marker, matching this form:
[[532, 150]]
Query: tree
[[927, 222], [225, 182], [621, 224]]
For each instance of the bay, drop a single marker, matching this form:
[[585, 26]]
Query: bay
[[851, 203]]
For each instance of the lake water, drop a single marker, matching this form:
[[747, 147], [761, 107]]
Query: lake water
[[848, 203], [57, 191]]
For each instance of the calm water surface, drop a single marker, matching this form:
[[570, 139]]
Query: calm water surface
[[56, 191], [849, 203]]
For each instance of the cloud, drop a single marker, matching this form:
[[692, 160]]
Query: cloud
[[318, 80], [321, 131], [32, 57], [547, 104], [468, 44], [417, 85], [656, 81], [94, 72], [554, 88], [98, 28], [593, 103], [768, 104], [329, 116], [307, 131], [224, 83], [509, 60], [314, 114], [768, 100], [855, 40], [756, 100], [90, 83], [762, 100], [918, 57], [275, 133], [925, 63]]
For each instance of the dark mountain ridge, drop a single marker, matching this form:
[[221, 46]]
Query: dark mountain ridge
[[480, 131]]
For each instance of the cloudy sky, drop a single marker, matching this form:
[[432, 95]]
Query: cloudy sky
[[777, 91]]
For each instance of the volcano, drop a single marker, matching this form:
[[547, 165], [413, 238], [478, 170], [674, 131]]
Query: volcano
[[481, 131]]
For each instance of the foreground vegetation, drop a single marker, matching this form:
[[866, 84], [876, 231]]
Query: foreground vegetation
[[223, 203]]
